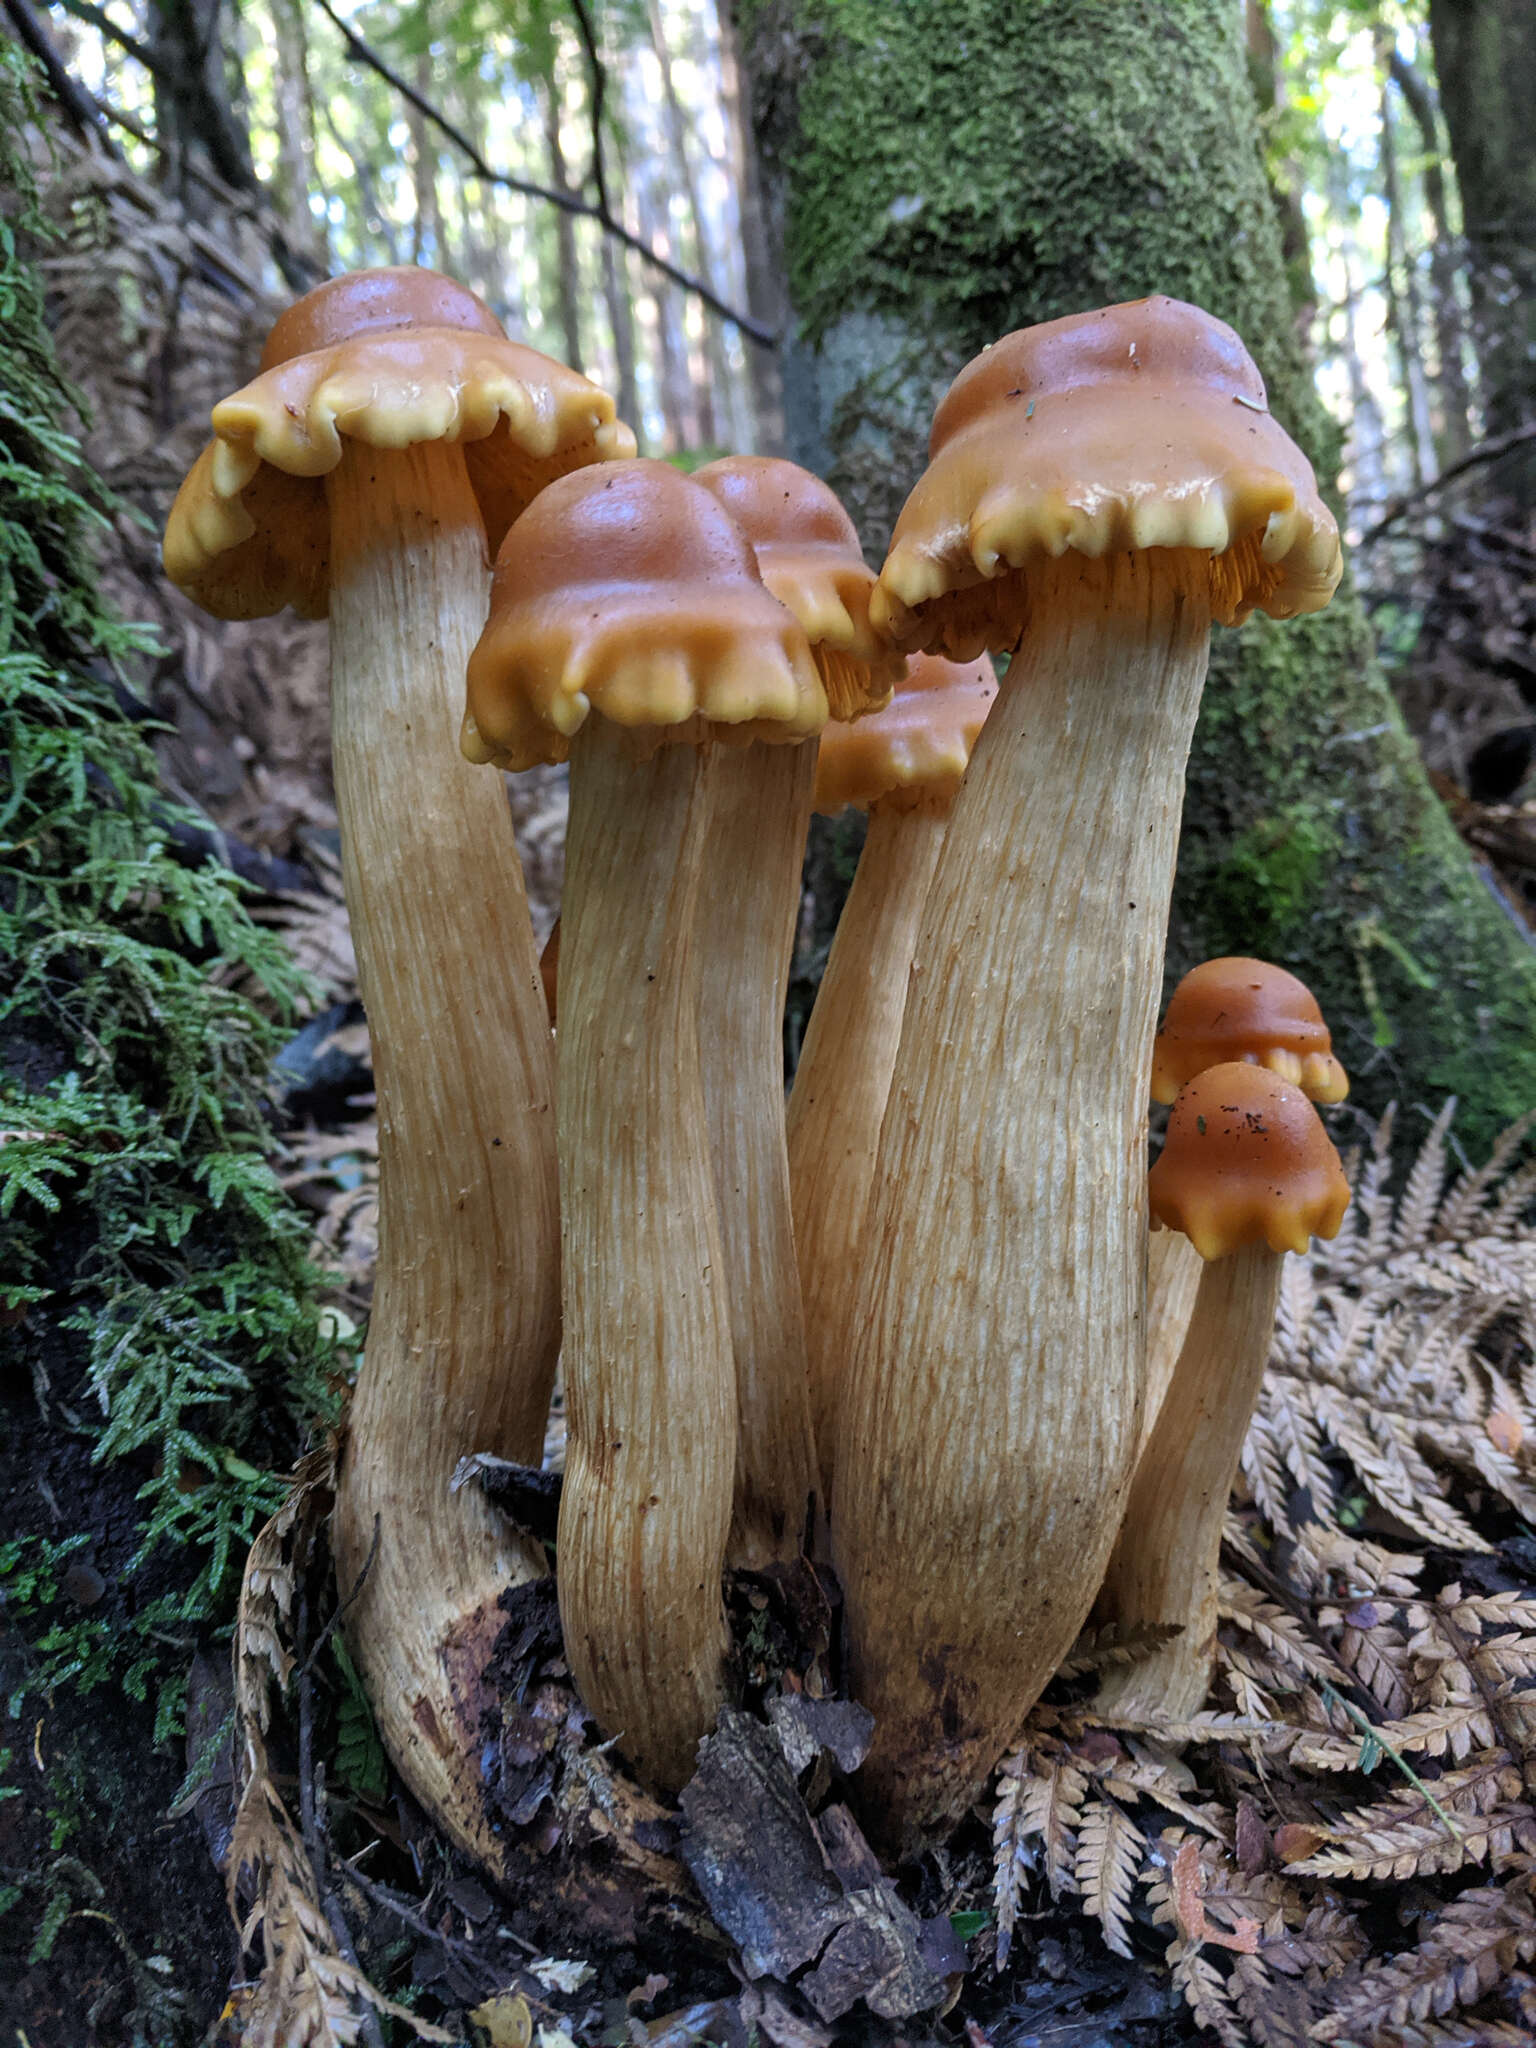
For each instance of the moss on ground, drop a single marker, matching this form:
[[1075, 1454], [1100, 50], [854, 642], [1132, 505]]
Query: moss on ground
[[953, 169]]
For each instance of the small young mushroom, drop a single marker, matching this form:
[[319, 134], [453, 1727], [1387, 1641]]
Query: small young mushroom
[[391, 430], [1246, 1173], [630, 629], [903, 766], [809, 558], [1240, 1009], [1228, 1009], [1099, 490]]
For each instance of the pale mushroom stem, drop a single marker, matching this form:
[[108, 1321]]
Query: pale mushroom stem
[[1166, 1562], [1174, 1268], [841, 1083], [649, 1379], [1000, 1346], [748, 909], [464, 1331]]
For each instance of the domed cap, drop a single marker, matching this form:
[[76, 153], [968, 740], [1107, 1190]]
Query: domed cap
[[629, 590], [1246, 1161], [1240, 1009], [390, 358], [1143, 425], [911, 755], [808, 551]]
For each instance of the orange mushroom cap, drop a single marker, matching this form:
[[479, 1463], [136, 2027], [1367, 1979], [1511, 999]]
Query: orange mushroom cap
[[1246, 1161], [808, 551], [389, 358], [1143, 425], [631, 591], [911, 755], [1241, 1009]]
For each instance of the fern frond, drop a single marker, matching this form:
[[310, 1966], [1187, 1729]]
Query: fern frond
[[1472, 1945], [1403, 1837]]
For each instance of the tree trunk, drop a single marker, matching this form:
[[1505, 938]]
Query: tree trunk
[[194, 118], [568, 273], [1485, 55], [764, 278], [945, 179], [1444, 268], [1405, 315]]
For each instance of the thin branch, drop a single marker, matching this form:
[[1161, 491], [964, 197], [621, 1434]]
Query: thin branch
[[568, 202], [1485, 451]]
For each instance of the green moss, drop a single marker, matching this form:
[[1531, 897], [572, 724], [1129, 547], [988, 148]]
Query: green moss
[[152, 1273], [953, 169]]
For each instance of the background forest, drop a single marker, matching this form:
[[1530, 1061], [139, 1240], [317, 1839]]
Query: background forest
[[775, 226]]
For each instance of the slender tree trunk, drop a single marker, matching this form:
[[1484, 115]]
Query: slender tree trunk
[[295, 130], [1444, 268], [918, 230], [621, 320], [427, 242], [764, 278], [1405, 313], [194, 117], [567, 261], [1485, 56], [714, 402]]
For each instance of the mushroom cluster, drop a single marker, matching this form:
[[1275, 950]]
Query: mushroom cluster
[[905, 1324]]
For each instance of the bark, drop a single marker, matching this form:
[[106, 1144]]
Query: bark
[[1485, 55], [295, 130], [944, 180]]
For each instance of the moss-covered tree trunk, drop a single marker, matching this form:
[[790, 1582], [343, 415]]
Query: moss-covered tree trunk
[[947, 170]]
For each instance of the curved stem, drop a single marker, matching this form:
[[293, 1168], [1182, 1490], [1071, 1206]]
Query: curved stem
[[1165, 1566], [748, 906], [465, 1324], [649, 1379], [996, 1382], [1174, 1268], [840, 1088]]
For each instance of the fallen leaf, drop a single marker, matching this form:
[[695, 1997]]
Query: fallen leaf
[[506, 2019]]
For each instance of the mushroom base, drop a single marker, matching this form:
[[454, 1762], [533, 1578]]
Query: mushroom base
[[649, 1379], [465, 1325], [996, 1385], [1166, 1562]]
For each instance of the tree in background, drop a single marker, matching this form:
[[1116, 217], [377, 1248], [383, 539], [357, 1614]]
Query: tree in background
[[952, 169], [1485, 53]]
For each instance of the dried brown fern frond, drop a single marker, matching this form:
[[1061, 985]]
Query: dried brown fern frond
[[308, 1995], [336, 1173], [1472, 1944], [1385, 1351], [1472, 1815]]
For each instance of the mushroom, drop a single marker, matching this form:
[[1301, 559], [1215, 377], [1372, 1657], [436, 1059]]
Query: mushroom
[[630, 629], [1099, 490], [1228, 1009], [903, 766], [391, 428], [808, 555], [1246, 1173]]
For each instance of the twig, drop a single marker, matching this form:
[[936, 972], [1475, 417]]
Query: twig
[[1485, 451], [381, 1895], [568, 202]]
